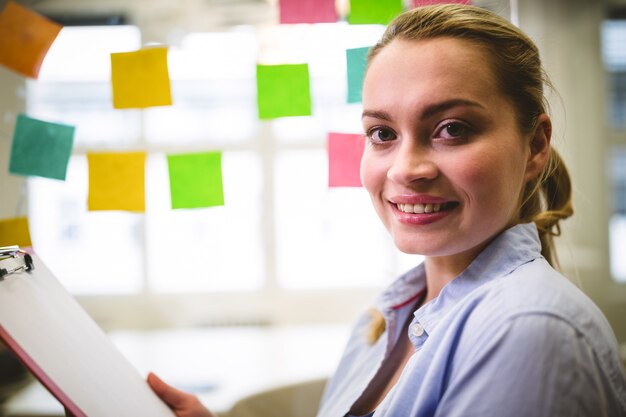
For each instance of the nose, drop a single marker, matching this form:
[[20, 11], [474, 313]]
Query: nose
[[412, 163]]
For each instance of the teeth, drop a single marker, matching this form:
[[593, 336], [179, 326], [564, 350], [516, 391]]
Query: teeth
[[420, 208]]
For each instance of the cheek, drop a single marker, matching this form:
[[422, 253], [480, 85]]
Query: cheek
[[373, 172], [473, 176], [489, 179]]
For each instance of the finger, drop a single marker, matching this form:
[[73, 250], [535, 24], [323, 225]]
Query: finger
[[173, 397]]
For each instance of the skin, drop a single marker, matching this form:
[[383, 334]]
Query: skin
[[183, 404], [439, 131]]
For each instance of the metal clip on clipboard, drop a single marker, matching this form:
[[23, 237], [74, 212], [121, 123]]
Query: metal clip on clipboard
[[16, 255]]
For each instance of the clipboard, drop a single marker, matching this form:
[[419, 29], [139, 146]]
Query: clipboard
[[63, 347]]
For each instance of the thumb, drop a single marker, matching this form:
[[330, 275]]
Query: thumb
[[173, 397]]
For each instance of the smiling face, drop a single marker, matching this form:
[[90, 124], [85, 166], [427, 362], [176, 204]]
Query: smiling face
[[445, 162]]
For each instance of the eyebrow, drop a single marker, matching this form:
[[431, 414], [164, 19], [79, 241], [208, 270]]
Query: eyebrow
[[429, 111]]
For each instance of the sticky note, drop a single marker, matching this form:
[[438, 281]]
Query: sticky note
[[356, 63], [344, 159], [283, 90], [116, 181], [418, 3], [25, 38], [140, 78], [196, 180], [307, 11], [373, 11], [15, 231], [40, 148]]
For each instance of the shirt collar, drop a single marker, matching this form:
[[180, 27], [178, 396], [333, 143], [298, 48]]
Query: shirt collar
[[514, 247]]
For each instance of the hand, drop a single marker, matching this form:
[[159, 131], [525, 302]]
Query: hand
[[183, 404]]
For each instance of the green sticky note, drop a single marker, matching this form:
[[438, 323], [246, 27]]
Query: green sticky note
[[356, 62], [283, 90], [40, 148], [373, 11], [196, 180]]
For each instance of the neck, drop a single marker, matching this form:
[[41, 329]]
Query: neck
[[440, 270]]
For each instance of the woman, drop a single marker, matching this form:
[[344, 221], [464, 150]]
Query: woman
[[459, 167]]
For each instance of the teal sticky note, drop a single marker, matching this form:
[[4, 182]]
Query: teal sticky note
[[283, 90], [40, 148], [196, 180], [373, 11], [356, 62]]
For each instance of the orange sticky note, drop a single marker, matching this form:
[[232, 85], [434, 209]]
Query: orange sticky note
[[25, 38], [344, 159], [15, 232], [116, 181], [140, 79]]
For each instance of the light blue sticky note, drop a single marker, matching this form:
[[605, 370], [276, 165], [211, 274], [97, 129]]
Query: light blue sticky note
[[40, 148], [357, 61]]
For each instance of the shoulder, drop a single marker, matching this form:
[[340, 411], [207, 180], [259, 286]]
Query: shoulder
[[536, 290], [535, 324], [536, 306]]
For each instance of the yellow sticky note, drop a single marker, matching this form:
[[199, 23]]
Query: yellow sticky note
[[15, 232], [116, 181], [140, 79], [25, 38]]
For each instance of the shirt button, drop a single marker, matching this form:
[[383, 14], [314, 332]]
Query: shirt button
[[417, 330]]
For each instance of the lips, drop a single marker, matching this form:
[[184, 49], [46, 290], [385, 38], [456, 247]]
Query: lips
[[425, 208], [421, 209]]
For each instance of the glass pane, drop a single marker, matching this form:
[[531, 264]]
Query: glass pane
[[206, 249], [83, 53], [617, 224], [75, 88], [215, 56], [87, 106], [617, 242], [213, 91], [326, 237], [323, 47], [205, 111], [89, 252], [613, 44]]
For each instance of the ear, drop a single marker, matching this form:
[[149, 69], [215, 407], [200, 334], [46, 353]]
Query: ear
[[539, 147]]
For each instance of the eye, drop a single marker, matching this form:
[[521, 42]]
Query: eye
[[380, 134], [453, 130]]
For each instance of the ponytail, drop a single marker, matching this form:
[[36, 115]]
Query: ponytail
[[548, 200]]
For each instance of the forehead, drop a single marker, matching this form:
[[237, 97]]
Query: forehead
[[441, 66]]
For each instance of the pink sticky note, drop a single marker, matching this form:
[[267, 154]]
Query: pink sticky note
[[344, 159], [307, 11], [418, 3]]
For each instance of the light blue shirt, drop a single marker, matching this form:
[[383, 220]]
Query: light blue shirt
[[509, 336]]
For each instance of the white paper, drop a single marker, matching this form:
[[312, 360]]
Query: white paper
[[62, 339]]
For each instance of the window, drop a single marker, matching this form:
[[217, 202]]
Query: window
[[613, 38], [281, 230], [617, 223]]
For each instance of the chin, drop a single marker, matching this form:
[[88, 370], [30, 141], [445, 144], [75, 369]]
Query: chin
[[412, 246]]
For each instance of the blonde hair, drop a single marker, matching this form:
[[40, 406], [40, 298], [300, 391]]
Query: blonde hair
[[546, 200]]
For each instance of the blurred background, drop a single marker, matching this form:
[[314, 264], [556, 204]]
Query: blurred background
[[284, 249]]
